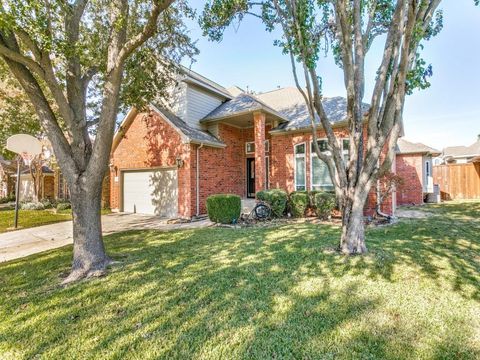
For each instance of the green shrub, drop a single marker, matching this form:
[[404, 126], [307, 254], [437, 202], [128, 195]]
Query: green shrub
[[224, 208], [7, 199], [47, 203], [32, 206], [276, 198], [325, 202], [311, 198], [298, 203], [63, 206]]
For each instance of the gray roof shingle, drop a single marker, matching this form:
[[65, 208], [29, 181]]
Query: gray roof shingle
[[407, 147], [286, 103], [458, 151], [203, 81], [191, 133], [290, 102], [240, 104]]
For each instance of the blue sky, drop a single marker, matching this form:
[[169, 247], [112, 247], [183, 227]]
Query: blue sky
[[446, 114]]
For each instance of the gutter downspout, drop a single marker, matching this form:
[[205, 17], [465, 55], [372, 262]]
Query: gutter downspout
[[197, 182]]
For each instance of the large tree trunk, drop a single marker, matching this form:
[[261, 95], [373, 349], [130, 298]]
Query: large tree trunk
[[352, 240], [89, 256]]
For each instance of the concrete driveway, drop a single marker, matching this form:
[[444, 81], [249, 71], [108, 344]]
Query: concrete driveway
[[20, 243]]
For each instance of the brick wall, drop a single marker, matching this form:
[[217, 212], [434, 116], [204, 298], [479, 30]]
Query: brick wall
[[410, 168], [151, 142], [283, 165]]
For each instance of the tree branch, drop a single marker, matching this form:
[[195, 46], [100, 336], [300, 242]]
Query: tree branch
[[147, 32]]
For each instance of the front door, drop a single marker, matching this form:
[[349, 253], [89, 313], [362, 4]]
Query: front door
[[251, 177]]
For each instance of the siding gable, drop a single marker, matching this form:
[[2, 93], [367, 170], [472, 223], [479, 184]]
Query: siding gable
[[199, 103]]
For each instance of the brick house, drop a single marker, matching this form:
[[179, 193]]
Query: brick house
[[8, 175], [414, 164], [168, 160]]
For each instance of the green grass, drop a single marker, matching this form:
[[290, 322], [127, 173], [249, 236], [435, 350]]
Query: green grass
[[31, 218], [265, 293]]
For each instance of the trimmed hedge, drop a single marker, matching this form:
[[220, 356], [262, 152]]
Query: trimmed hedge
[[63, 206], [311, 198], [224, 208], [299, 203], [325, 202], [32, 206], [276, 198]]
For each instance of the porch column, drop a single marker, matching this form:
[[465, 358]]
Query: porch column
[[259, 134]]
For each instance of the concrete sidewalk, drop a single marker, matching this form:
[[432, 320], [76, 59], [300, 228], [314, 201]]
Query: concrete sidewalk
[[21, 243]]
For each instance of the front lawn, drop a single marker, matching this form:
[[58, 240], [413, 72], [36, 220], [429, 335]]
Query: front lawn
[[31, 218], [265, 293]]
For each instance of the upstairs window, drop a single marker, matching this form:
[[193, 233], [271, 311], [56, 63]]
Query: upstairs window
[[250, 147]]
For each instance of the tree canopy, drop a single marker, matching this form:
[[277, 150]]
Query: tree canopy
[[17, 114], [346, 30], [79, 63]]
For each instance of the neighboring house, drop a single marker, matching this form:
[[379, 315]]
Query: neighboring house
[[462, 154], [7, 184], [46, 189], [413, 164], [218, 140], [8, 176]]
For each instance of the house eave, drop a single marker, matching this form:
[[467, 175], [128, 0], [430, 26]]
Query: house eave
[[338, 124], [242, 113], [207, 87], [208, 143]]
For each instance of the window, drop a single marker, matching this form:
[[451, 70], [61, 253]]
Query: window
[[250, 147], [319, 173], [300, 178]]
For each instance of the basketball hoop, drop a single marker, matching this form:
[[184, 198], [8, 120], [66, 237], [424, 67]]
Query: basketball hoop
[[27, 158], [27, 147]]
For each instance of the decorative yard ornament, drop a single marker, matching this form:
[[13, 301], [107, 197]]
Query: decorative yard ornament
[[27, 147]]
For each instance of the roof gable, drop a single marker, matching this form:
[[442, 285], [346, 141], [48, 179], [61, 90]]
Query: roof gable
[[407, 147], [187, 133]]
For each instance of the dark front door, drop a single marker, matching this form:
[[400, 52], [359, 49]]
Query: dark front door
[[251, 177]]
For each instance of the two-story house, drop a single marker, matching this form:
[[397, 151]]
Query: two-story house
[[218, 140]]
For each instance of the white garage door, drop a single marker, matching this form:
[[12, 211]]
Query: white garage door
[[151, 192]]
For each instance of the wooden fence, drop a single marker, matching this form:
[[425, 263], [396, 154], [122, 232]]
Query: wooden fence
[[458, 181]]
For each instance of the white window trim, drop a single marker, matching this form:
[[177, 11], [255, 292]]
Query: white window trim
[[313, 154], [304, 156], [267, 146], [246, 147]]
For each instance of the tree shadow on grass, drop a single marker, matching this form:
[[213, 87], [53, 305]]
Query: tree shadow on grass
[[223, 293]]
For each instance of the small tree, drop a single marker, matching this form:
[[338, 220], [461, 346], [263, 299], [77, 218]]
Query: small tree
[[347, 29], [79, 62], [387, 183]]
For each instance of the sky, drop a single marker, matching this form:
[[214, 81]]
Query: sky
[[446, 114]]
